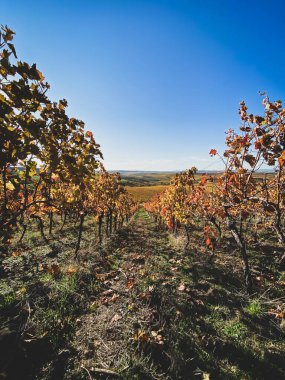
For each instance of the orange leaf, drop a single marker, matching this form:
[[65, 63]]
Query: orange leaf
[[213, 152]]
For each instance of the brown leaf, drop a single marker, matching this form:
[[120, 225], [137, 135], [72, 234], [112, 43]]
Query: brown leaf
[[131, 282], [107, 292]]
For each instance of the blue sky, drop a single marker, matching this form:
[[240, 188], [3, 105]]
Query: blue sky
[[158, 82]]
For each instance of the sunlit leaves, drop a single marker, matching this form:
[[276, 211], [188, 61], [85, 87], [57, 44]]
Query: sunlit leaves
[[281, 159], [238, 199], [36, 132]]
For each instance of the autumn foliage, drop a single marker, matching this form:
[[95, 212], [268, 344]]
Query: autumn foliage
[[240, 200], [49, 163]]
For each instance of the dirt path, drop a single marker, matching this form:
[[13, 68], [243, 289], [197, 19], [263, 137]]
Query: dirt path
[[108, 335]]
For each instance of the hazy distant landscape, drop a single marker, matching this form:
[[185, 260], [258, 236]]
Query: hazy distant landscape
[[145, 178]]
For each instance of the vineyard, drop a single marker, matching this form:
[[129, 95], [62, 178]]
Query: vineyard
[[100, 280], [143, 194]]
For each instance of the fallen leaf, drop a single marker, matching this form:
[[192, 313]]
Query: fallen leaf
[[107, 292], [116, 318], [112, 299], [71, 270], [131, 282], [181, 288], [141, 336]]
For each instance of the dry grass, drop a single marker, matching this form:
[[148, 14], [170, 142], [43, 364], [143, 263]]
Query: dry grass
[[144, 193]]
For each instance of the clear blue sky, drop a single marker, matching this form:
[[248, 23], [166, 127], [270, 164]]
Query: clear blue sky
[[158, 82]]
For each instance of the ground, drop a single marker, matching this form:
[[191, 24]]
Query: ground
[[139, 307]]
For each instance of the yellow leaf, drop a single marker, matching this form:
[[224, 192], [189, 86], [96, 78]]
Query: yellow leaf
[[41, 77], [10, 186]]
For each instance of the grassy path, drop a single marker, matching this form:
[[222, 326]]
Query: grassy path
[[139, 307], [164, 314], [110, 336]]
